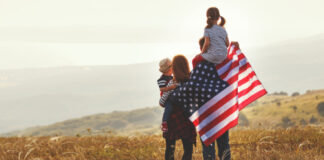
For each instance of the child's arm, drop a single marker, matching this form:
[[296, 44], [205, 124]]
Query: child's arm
[[206, 45], [165, 89]]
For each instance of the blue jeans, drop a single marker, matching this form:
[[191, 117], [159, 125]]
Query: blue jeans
[[224, 152], [167, 110]]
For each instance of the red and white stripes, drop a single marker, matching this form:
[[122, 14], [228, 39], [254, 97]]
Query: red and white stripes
[[221, 112]]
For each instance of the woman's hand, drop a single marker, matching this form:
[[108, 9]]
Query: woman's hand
[[235, 43]]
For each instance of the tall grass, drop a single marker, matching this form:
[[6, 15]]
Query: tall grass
[[287, 144]]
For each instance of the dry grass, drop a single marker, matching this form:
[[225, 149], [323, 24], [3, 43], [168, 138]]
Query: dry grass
[[296, 143]]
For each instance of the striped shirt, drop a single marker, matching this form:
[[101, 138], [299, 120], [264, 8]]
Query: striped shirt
[[164, 80], [166, 94]]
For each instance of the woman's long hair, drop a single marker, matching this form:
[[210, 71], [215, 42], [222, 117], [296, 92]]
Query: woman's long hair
[[180, 68], [213, 15]]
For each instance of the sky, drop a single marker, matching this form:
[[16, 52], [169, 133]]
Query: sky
[[46, 33]]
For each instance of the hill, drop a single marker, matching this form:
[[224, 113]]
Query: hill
[[43, 96], [269, 112], [30, 97]]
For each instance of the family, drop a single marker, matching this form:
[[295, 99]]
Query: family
[[175, 123]]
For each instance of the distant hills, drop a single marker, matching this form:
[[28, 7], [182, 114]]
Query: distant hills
[[271, 111], [30, 97], [42, 96]]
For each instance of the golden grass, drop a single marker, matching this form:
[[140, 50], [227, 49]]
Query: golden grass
[[296, 143]]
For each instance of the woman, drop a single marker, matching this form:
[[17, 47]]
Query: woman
[[179, 127]]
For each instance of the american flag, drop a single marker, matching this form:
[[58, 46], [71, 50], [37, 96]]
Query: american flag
[[214, 95]]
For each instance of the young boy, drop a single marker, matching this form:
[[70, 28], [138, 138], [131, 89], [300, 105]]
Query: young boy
[[166, 86]]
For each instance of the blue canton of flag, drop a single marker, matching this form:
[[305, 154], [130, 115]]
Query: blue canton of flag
[[200, 88]]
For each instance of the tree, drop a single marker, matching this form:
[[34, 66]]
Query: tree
[[243, 121], [294, 108], [313, 120], [302, 122], [320, 108], [295, 94], [286, 122]]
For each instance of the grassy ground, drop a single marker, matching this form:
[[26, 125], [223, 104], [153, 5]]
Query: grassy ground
[[295, 143], [269, 111]]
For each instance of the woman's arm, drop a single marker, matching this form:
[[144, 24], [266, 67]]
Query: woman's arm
[[227, 42], [165, 89], [206, 45]]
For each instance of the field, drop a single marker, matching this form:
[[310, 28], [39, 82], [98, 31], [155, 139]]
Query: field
[[287, 144]]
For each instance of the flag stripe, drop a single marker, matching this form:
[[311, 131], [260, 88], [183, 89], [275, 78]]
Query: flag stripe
[[215, 118], [211, 102], [252, 98], [230, 125], [214, 107], [247, 84], [249, 89], [225, 67], [216, 113], [219, 126], [233, 64], [250, 93]]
